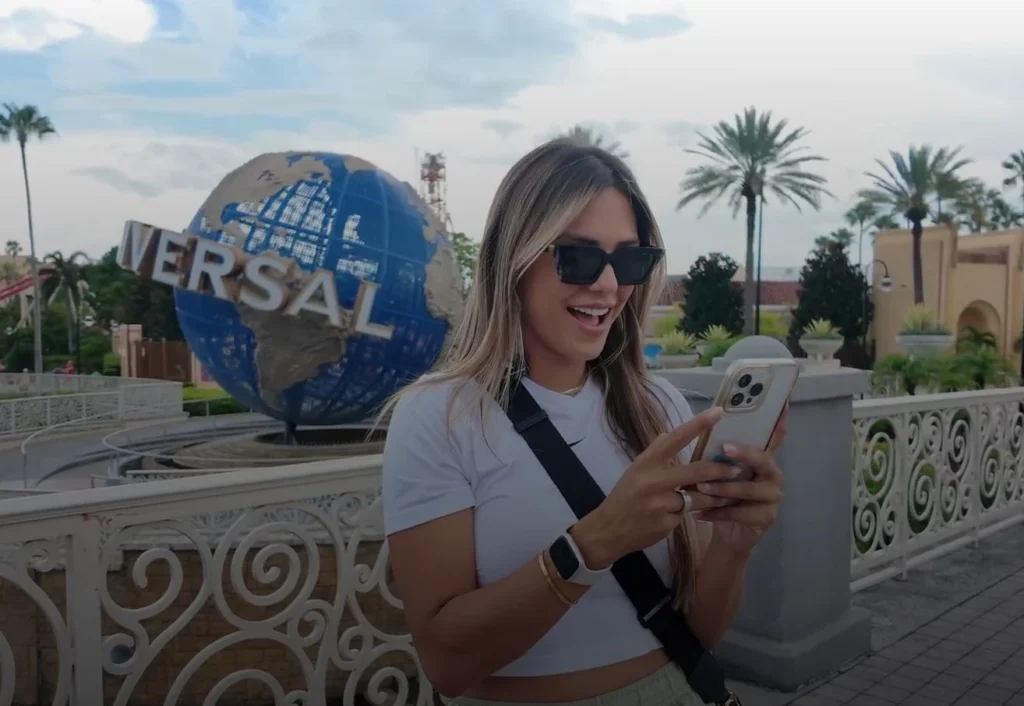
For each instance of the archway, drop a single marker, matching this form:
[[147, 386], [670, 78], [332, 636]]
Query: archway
[[982, 317]]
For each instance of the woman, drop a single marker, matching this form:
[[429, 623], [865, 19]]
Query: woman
[[570, 261]]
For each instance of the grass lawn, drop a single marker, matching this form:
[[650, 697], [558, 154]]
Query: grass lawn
[[209, 401]]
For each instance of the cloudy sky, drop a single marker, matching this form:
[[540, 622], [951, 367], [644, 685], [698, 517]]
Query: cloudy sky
[[156, 99]]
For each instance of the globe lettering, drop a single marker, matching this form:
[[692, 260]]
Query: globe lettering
[[227, 273]]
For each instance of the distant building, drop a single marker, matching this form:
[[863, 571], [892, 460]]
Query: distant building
[[973, 280], [771, 274], [780, 290]]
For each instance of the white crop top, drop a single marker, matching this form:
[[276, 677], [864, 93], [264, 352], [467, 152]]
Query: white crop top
[[518, 511]]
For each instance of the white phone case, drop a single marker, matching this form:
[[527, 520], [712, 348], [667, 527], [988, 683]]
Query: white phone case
[[753, 396]]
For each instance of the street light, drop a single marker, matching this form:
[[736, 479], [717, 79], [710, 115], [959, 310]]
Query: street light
[[885, 286]]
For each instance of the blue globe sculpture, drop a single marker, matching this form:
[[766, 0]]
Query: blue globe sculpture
[[322, 211]]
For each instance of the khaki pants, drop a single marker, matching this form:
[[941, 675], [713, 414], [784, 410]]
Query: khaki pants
[[666, 687]]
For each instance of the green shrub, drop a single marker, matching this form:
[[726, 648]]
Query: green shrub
[[774, 325], [677, 343], [200, 401], [821, 329], [716, 349], [111, 364], [920, 319], [970, 368], [664, 325]]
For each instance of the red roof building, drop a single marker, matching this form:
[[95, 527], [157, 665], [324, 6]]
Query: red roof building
[[777, 295]]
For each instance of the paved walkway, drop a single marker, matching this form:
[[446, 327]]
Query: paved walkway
[[972, 654]]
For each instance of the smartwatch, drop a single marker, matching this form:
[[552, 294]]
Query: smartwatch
[[568, 562]]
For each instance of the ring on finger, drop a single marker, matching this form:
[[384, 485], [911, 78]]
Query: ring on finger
[[687, 500]]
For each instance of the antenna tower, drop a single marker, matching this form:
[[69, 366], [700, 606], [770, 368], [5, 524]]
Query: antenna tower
[[434, 185]]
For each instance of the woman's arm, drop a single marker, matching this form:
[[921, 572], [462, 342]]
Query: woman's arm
[[429, 505], [455, 624]]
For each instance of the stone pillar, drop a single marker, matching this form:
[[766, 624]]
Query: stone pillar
[[796, 622]]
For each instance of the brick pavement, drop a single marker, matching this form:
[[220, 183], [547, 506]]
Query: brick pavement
[[971, 655]]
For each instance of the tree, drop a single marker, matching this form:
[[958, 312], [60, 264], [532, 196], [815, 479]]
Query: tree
[[979, 208], [116, 295], [906, 188], [8, 273], [832, 288], [1014, 165], [23, 123], [751, 158], [466, 254], [591, 136], [12, 248], [67, 281], [884, 222], [711, 295], [843, 237], [860, 217]]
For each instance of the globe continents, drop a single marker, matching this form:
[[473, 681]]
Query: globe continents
[[336, 216]]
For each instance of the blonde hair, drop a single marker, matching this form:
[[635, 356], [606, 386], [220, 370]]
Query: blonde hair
[[541, 195]]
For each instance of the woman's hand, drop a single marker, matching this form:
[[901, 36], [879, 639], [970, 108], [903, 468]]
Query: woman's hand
[[644, 506], [752, 505]]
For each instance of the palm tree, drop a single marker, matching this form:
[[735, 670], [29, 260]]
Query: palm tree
[[906, 188], [751, 157], [978, 207], [884, 222], [1014, 164], [591, 136], [842, 237], [67, 280], [12, 248], [862, 214], [24, 122], [948, 187]]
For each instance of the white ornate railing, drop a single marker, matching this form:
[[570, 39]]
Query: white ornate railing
[[262, 585], [931, 473], [145, 400], [51, 383]]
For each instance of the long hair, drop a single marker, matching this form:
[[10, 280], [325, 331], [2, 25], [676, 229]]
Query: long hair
[[540, 196]]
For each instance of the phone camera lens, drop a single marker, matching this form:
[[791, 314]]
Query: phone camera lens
[[755, 389], [744, 380], [737, 399]]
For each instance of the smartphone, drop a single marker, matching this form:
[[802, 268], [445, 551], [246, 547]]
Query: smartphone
[[753, 397]]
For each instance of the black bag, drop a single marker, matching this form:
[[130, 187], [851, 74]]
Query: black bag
[[634, 572]]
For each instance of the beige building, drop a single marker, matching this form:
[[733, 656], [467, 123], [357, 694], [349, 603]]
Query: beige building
[[969, 280]]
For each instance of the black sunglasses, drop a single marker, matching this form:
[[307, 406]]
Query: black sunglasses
[[583, 264]]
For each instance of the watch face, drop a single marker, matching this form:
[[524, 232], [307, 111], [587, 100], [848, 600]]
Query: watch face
[[564, 559]]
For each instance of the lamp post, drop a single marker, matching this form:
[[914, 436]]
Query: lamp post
[[885, 286]]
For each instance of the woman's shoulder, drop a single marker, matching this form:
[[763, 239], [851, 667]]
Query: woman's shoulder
[[427, 392], [436, 402]]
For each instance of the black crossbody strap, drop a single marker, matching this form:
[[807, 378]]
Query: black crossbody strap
[[636, 575]]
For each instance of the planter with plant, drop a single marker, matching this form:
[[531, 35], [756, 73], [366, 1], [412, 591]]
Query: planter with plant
[[922, 333], [678, 350], [820, 339], [714, 336]]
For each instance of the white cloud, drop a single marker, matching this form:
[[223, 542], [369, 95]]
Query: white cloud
[[849, 70], [31, 25]]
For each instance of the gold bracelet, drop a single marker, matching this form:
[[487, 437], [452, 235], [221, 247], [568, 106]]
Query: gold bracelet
[[551, 584]]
